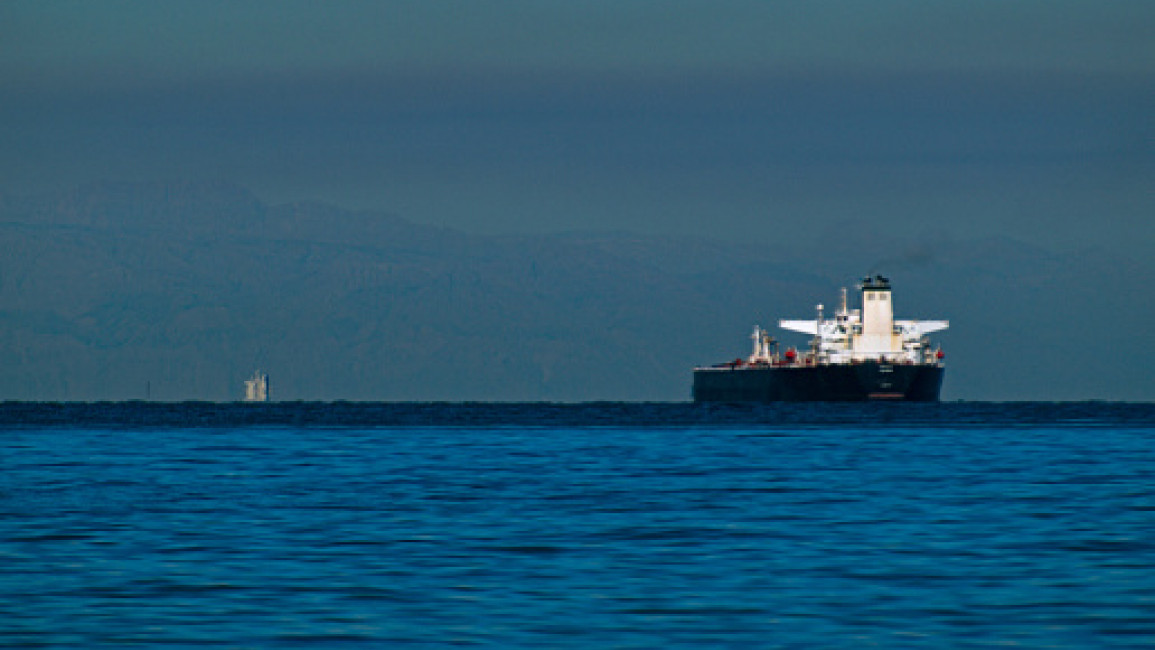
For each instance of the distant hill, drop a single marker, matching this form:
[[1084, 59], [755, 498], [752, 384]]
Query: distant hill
[[181, 290]]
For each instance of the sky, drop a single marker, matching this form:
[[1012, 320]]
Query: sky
[[754, 121]]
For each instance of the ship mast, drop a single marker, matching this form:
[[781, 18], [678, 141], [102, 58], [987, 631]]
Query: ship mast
[[816, 342]]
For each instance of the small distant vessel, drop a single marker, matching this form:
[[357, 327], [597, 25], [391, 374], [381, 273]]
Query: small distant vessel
[[257, 388], [860, 354]]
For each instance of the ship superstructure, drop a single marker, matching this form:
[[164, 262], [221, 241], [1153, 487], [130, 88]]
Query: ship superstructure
[[870, 333], [257, 388], [857, 354]]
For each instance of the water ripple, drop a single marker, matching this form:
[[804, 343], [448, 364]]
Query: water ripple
[[350, 525]]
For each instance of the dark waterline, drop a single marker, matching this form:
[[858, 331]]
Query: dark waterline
[[584, 414], [577, 525]]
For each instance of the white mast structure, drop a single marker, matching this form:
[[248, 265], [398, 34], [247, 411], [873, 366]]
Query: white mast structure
[[765, 347], [257, 388]]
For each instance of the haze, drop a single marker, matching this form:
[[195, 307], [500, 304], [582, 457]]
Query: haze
[[794, 126]]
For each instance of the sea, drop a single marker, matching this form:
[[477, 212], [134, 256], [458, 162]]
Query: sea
[[593, 525]]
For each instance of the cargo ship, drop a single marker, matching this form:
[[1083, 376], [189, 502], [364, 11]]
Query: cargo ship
[[858, 355]]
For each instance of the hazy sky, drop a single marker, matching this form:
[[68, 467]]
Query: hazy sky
[[757, 120]]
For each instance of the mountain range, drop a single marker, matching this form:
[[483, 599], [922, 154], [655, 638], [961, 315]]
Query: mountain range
[[181, 290]]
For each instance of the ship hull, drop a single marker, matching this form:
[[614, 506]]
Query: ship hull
[[857, 382]]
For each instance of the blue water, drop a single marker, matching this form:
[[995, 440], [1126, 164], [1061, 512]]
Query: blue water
[[583, 526]]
